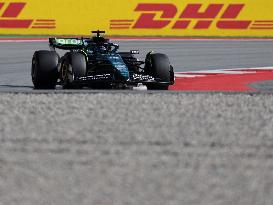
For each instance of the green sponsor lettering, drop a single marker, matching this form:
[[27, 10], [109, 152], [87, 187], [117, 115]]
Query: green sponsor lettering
[[68, 41]]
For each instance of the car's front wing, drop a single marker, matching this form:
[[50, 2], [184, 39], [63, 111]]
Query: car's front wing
[[134, 79]]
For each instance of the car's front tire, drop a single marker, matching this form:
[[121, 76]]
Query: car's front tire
[[158, 66], [44, 71]]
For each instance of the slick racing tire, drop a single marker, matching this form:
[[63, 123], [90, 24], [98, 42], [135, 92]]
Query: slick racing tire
[[160, 68], [73, 67], [44, 71]]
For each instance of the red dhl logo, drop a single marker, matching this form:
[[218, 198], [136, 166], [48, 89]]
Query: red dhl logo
[[190, 18], [9, 18]]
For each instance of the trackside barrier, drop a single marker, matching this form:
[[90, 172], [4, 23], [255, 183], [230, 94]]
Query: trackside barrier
[[244, 18]]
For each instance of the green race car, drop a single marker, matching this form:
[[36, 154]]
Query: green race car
[[96, 63]]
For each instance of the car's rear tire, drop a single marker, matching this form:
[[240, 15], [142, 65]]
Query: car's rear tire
[[159, 67], [73, 68], [44, 71]]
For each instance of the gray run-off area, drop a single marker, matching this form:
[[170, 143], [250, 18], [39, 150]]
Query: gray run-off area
[[137, 148], [148, 149]]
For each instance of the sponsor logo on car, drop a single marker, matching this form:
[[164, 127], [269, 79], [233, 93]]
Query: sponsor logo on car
[[10, 18], [193, 16]]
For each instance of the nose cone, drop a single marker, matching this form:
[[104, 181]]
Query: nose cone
[[120, 66]]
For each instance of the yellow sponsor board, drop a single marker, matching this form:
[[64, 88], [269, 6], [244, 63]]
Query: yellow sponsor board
[[138, 18]]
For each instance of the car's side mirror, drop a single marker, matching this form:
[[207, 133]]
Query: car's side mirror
[[134, 51]]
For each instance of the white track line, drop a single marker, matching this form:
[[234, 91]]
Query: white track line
[[22, 40], [181, 75], [228, 70], [192, 39], [232, 71]]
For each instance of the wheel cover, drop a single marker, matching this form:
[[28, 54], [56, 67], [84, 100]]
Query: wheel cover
[[33, 69], [64, 72]]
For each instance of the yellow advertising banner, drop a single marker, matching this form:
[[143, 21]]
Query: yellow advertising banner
[[138, 17]]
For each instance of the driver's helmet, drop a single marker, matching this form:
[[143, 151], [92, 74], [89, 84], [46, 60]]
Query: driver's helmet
[[100, 44]]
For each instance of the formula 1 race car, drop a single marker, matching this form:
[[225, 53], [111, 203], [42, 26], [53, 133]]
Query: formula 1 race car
[[96, 63]]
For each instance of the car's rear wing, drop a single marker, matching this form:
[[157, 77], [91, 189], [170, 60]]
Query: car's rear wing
[[67, 43]]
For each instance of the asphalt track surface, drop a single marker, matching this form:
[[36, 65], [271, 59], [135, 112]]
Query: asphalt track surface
[[130, 147]]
